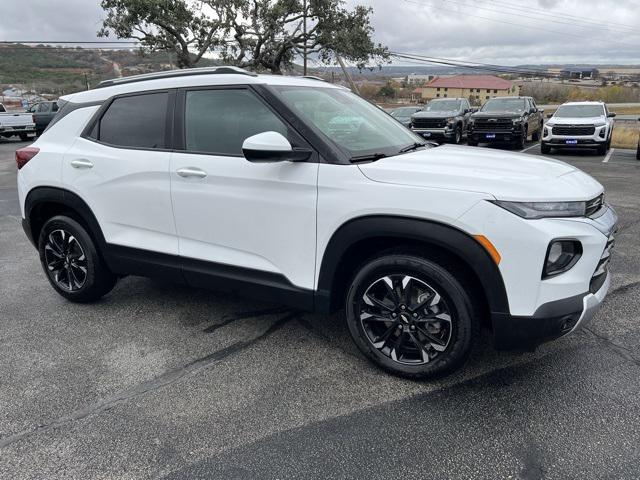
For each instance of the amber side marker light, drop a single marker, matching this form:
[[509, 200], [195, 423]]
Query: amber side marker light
[[488, 246]]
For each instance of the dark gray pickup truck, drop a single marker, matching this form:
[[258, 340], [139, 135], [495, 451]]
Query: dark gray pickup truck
[[43, 113], [443, 119]]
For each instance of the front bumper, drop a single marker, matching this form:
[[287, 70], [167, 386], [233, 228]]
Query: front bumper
[[562, 316], [435, 133], [499, 136], [599, 137], [551, 321]]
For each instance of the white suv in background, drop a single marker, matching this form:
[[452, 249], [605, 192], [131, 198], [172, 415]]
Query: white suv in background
[[579, 125], [224, 179]]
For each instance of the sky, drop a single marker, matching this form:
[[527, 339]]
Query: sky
[[505, 32]]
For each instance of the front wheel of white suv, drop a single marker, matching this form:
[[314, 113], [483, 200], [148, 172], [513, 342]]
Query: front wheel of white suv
[[71, 262], [410, 316]]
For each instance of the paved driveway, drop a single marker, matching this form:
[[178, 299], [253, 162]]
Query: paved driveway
[[159, 381]]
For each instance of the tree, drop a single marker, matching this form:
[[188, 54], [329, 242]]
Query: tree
[[176, 26], [387, 91], [256, 34]]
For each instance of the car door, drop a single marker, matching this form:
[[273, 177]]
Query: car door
[[120, 168], [257, 218]]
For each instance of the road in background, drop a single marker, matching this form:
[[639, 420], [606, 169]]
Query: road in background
[[161, 381]]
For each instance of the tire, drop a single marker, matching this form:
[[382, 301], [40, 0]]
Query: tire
[[472, 143], [520, 142], [71, 261], [638, 153], [602, 149], [545, 148], [430, 308], [24, 137], [457, 138]]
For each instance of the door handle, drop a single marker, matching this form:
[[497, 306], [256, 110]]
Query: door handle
[[81, 163], [191, 172]]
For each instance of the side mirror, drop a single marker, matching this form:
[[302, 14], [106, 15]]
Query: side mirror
[[611, 115], [268, 147], [533, 110]]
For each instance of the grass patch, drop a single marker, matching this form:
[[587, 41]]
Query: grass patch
[[625, 137]]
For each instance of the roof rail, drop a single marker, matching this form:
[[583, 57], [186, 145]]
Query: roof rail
[[312, 77], [176, 73]]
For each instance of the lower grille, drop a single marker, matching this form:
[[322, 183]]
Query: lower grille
[[577, 130], [494, 124], [600, 275], [429, 122]]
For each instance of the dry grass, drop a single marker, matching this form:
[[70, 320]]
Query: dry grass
[[625, 137]]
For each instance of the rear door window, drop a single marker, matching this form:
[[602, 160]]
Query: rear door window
[[137, 121]]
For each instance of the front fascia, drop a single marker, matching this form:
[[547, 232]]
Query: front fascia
[[523, 244]]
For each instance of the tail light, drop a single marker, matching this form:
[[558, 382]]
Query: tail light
[[24, 155]]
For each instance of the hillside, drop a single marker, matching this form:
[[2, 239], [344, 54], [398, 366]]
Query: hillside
[[58, 70]]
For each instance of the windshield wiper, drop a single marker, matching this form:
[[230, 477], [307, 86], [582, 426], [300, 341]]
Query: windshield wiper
[[371, 157], [413, 146]]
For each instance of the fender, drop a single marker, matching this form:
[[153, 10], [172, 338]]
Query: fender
[[40, 195], [447, 238]]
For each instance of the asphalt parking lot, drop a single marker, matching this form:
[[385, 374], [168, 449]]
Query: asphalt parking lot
[[159, 381]]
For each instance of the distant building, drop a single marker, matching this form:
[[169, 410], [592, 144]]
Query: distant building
[[582, 73], [479, 88], [415, 79]]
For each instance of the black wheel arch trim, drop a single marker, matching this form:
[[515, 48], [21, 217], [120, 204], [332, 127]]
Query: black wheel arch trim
[[66, 198], [446, 237]]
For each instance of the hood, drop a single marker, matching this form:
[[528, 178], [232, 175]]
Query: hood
[[497, 115], [453, 113], [503, 175], [576, 121]]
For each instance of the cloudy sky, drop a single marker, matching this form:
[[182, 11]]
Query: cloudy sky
[[507, 32]]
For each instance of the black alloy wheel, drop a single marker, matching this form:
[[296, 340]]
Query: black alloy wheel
[[410, 316], [65, 260], [71, 261]]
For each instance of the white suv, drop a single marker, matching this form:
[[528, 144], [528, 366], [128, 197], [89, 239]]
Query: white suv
[[298, 191], [579, 125]]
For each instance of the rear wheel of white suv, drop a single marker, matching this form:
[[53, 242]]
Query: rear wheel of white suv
[[410, 316], [70, 259]]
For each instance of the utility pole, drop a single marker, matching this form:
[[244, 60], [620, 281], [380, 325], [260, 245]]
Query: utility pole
[[354, 87], [304, 29]]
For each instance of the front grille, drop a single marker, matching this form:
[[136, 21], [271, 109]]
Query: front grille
[[600, 275], [494, 124], [574, 130], [594, 206], [429, 123]]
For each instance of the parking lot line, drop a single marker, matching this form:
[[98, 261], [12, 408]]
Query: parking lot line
[[606, 159], [529, 147]]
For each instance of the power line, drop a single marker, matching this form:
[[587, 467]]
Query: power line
[[74, 42], [563, 15], [458, 12]]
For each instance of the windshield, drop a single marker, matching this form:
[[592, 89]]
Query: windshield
[[443, 106], [357, 127], [403, 111], [504, 105], [579, 111]]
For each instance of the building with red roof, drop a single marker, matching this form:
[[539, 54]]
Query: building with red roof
[[478, 88]]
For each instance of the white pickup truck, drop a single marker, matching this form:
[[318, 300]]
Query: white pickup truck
[[18, 124]]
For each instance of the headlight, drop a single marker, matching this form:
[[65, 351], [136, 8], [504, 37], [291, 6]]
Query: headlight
[[451, 120], [517, 120], [535, 210], [601, 124], [562, 255]]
